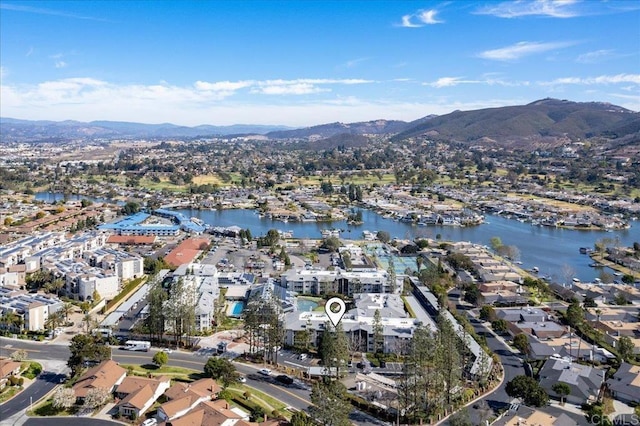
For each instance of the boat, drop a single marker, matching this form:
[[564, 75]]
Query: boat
[[535, 269], [584, 250], [576, 280], [617, 274]]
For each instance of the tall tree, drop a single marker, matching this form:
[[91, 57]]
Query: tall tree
[[391, 271], [521, 342], [155, 321], [378, 333], [221, 369], [85, 348], [331, 406], [449, 360], [334, 349], [625, 348]]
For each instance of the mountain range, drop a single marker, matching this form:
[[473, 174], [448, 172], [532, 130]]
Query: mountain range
[[547, 121]]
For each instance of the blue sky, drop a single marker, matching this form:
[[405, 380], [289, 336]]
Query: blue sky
[[300, 63]]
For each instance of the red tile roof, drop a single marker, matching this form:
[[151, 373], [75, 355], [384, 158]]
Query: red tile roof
[[186, 251]]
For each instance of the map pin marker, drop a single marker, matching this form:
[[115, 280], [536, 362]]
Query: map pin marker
[[335, 309]]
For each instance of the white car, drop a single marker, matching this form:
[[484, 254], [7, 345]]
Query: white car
[[265, 371], [150, 422], [242, 379], [167, 350]]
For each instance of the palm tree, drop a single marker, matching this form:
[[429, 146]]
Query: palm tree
[[67, 309], [12, 320], [89, 322], [54, 320]]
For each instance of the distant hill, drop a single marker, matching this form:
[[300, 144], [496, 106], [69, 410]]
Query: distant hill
[[322, 131], [27, 130], [546, 120]]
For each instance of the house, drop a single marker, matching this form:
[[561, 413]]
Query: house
[[184, 397], [8, 367], [217, 413], [544, 330], [625, 383], [137, 394], [520, 415], [584, 381], [107, 375], [209, 413]]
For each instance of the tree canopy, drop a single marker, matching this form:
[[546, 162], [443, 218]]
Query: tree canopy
[[527, 389]]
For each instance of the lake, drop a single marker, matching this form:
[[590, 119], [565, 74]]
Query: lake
[[550, 249]]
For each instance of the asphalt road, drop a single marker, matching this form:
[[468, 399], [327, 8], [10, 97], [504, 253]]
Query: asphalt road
[[43, 384], [498, 399]]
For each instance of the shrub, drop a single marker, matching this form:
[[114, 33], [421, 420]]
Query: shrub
[[247, 395]]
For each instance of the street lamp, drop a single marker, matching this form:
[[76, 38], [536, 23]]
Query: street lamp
[[31, 403]]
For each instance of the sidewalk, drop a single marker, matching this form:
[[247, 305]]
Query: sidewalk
[[572, 408]]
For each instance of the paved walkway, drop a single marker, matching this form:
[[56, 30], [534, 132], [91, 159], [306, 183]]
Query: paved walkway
[[567, 407]]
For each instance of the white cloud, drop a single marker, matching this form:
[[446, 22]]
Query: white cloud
[[603, 80], [521, 49], [223, 86], [595, 56], [548, 8], [353, 63], [420, 19], [4, 72], [489, 80], [447, 82], [289, 89], [43, 11], [429, 17], [60, 64], [29, 52], [406, 22]]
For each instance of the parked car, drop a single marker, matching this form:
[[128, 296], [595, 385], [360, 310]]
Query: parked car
[[265, 371], [150, 422], [284, 379], [242, 379]]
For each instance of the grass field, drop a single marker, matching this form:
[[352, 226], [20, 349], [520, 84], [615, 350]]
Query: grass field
[[551, 202], [260, 398], [165, 370], [356, 179], [207, 179]]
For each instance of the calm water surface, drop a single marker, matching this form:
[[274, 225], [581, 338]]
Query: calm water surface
[[550, 249]]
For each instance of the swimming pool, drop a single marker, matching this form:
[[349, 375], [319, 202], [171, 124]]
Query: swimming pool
[[236, 309], [306, 305]]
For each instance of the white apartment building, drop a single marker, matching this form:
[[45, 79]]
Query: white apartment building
[[19, 251], [34, 309], [317, 281], [358, 323]]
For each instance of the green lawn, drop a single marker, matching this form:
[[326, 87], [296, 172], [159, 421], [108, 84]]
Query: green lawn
[[259, 398], [32, 369], [8, 392], [185, 374], [46, 409]]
